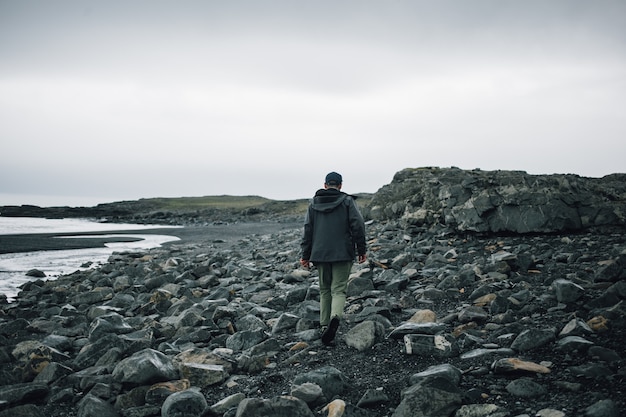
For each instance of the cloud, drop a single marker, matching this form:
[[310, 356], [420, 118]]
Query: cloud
[[147, 98]]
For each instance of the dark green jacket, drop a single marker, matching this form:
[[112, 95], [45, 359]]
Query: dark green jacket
[[334, 230]]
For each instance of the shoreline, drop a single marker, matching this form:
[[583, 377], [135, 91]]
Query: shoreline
[[227, 233]]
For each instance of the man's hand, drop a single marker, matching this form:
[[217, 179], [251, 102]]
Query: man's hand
[[305, 263], [362, 258]]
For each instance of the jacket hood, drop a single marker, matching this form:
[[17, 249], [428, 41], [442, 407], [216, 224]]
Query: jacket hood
[[326, 200]]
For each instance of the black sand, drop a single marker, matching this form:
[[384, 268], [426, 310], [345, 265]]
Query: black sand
[[227, 233]]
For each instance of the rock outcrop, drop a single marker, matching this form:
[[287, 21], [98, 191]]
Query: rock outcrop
[[501, 201]]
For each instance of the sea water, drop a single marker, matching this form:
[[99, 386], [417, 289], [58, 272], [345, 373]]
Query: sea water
[[14, 266]]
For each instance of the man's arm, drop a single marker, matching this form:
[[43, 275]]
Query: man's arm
[[307, 240], [357, 229]]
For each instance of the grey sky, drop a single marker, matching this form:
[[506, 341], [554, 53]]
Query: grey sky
[[129, 99]]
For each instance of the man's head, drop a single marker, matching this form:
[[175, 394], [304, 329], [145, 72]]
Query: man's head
[[333, 180]]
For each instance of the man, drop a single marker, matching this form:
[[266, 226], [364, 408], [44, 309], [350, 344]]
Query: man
[[334, 233]]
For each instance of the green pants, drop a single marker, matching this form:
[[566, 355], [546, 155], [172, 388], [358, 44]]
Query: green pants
[[333, 284]]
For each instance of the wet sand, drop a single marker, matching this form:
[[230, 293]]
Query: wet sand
[[227, 233]]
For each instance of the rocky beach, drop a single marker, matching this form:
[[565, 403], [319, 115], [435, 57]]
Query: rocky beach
[[486, 294]]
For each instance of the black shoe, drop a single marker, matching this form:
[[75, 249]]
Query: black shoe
[[329, 335], [322, 330]]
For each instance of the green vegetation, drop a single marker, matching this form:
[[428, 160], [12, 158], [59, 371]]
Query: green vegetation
[[199, 203]]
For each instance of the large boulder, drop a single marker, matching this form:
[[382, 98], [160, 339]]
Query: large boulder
[[500, 201]]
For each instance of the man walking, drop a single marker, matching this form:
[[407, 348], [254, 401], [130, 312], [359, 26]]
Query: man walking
[[334, 234]]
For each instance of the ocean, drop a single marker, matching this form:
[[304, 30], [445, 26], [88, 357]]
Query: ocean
[[14, 266]]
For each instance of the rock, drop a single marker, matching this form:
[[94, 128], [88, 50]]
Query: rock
[[417, 328], [188, 403], [446, 371], [203, 375], [157, 393], [532, 339], [19, 393], [575, 327], [436, 397], [245, 339], [364, 335], [91, 406], [591, 370], [308, 392], [276, 407], [508, 365], [229, 403], [567, 291], [373, 398], [501, 201], [602, 408], [35, 273], [285, 321], [52, 372], [550, 412], [603, 354], [106, 324], [483, 352], [473, 313], [525, 388], [96, 295], [440, 346], [423, 316], [573, 343], [330, 379], [27, 410], [146, 366], [481, 410]]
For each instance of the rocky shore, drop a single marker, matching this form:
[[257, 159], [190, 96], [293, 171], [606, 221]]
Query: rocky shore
[[442, 321]]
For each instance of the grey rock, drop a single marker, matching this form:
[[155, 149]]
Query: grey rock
[[498, 201], [308, 392], [481, 410], [373, 398], [330, 379], [573, 343], [52, 372], [575, 327], [445, 370], [19, 393], [473, 313], [567, 291], [106, 324], [97, 295], [285, 321], [245, 339], [439, 346], [35, 273], [476, 353], [26, 410], [532, 338], [591, 370], [602, 408], [365, 335], [603, 354], [525, 388], [432, 397], [188, 403], [274, 407], [91, 406], [358, 286], [146, 366], [416, 328], [228, 403]]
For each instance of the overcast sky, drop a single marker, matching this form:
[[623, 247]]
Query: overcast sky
[[110, 100]]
